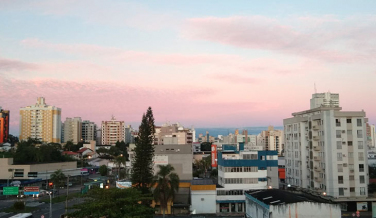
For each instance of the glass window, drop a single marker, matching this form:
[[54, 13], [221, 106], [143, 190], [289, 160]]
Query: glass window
[[348, 120], [349, 132], [340, 168], [362, 191], [360, 145], [352, 189], [361, 179], [338, 134], [359, 122], [351, 177], [360, 156], [339, 156], [349, 143], [339, 145], [341, 192], [340, 179], [361, 167], [359, 133]]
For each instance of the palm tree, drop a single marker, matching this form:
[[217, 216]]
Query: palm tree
[[167, 184], [120, 160], [58, 178]]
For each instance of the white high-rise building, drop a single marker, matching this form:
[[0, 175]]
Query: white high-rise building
[[40, 121], [89, 131], [324, 99], [72, 129], [325, 150], [271, 140], [113, 131]]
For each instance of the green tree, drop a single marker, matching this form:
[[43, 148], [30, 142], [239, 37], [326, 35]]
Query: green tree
[[103, 170], [120, 160], [58, 178], [214, 174], [68, 146], [167, 184], [113, 203], [142, 171], [12, 139]]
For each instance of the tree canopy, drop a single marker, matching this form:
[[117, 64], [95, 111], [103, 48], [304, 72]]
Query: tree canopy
[[142, 167], [58, 178], [113, 203]]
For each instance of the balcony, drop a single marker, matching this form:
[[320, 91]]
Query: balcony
[[316, 138], [317, 148], [316, 158], [317, 169], [351, 171], [315, 127], [307, 146]]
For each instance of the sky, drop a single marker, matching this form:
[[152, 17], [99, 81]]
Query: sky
[[199, 63]]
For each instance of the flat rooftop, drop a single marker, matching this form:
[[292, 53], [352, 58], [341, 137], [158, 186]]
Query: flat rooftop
[[279, 196]]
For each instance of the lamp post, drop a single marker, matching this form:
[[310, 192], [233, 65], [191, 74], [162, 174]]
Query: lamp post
[[66, 200], [50, 194]]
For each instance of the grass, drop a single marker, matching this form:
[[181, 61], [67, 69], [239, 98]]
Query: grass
[[13, 210], [62, 198]]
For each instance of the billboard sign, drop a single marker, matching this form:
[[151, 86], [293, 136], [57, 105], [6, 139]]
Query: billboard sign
[[31, 190], [10, 191], [214, 155], [160, 160], [361, 206], [122, 185]]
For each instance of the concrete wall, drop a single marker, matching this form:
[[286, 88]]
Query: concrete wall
[[203, 201], [255, 210], [306, 210]]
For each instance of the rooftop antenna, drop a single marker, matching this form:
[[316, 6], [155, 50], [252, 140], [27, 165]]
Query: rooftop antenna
[[315, 87]]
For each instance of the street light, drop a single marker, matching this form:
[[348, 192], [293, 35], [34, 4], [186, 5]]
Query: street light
[[324, 193], [50, 194]]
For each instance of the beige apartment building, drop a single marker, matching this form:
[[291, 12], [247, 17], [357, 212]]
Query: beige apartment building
[[271, 140], [40, 121], [89, 131], [72, 129], [326, 151], [168, 134], [113, 131]]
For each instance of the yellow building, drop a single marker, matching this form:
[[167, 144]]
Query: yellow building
[[40, 121]]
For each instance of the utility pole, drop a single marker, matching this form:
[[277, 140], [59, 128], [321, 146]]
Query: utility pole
[[50, 205], [66, 200]]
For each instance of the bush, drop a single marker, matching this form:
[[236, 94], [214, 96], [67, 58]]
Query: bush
[[103, 170], [19, 205]]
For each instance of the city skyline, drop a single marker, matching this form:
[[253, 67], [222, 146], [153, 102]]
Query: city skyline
[[206, 64]]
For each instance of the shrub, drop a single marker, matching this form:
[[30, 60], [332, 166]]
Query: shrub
[[19, 205]]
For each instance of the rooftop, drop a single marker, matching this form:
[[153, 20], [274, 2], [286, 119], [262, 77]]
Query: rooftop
[[279, 196], [202, 182]]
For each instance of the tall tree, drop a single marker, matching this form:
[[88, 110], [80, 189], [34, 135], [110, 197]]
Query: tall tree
[[167, 184], [142, 167], [120, 160]]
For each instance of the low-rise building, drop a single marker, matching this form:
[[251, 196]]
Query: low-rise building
[[277, 203], [203, 196]]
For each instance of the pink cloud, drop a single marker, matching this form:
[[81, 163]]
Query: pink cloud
[[327, 39], [15, 65]]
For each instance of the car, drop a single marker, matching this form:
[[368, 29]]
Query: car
[[41, 193]]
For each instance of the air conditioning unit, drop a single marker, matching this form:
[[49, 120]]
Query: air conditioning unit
[[344, 155]]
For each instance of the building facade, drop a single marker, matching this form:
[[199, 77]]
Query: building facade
[[168, 134], [4, 125], [271, 139], [89, 131], [371, 139], [240, 171], [40, 121], [326, 151], [113, 131], [326, 99], [72, 129]]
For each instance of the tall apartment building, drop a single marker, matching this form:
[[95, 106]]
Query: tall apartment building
[[326, 151], [72, 129], [89, 131], [113, 131], [326, 99], [4, 125], [371, 139], [271, 139], [168, 134], [239, 171], [40, 121]]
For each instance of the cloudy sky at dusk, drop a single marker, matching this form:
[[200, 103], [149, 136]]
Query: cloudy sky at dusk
[[202, 63]]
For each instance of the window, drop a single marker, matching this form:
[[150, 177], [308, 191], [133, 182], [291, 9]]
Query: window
[[360, 156], [339, 145], [349, 143], [361, 179], [359, 133], [359, 122], [340, 179], [351, 168], [340, 168], [351, 154], [351, 178], [338, 122], [338, 134], [341, 192], [362, 191], [361, 167], [349, 132], [360, 145], [352, 189], [348, 120], [339, 156]]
